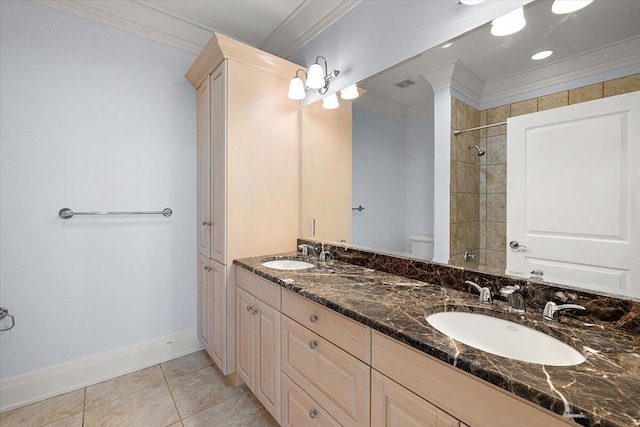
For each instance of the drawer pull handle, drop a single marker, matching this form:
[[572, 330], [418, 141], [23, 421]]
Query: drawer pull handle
[[313, 413], [313, 344], [313, 318]]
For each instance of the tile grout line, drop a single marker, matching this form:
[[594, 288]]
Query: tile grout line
[[216, 404], [84, 405]]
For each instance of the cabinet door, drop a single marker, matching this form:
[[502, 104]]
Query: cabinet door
[[393, 406], [203, 120], [218, 163], [267, 357], [300, 410], [218, 314], [205, 296], [246, 337]]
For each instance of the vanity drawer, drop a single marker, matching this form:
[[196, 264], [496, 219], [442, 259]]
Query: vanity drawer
[[339, 382], [298, 409], [265, 290], [468, 398], [347, 334]]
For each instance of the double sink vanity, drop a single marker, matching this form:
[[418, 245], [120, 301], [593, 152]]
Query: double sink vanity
[[338, 342]]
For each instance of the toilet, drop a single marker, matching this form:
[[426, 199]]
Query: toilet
[[422, 246]]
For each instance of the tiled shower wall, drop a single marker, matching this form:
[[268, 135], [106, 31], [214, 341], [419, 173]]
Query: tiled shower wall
[[492, 183], [465, 186]]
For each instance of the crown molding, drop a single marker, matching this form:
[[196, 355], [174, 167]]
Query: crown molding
[[145, 19], [306, 22], [386, 107], [138, 19], [610, 58], [221, 47]]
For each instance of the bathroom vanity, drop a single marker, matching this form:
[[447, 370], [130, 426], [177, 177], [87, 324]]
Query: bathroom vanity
[[355, 350]]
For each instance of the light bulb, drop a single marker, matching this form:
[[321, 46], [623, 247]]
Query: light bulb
[[560, 7], [296, 89], [349, 92], [330, 102], [472, 2], [315, 79], [508, 24]]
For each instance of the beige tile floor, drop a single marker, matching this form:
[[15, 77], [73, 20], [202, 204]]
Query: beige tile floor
[[185, 392]]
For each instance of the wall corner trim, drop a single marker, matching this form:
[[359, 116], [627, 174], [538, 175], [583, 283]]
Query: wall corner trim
[[65, 377]]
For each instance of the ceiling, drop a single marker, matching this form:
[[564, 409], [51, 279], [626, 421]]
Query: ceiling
[[497, 62], [277, 26]]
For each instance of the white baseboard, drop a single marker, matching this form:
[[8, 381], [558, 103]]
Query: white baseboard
[[69, 376]]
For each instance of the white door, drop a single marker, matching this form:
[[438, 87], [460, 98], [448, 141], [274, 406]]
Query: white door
[[573, 194]]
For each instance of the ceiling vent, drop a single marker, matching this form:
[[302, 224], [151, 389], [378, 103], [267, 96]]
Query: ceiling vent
[[405, 83]]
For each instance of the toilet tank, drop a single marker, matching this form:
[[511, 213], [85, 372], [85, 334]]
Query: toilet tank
[[421, 246]]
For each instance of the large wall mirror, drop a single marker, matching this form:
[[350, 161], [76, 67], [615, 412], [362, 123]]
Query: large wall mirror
[[369, 168]]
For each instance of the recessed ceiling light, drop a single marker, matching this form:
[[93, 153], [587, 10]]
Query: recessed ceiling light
[[561, 7], [471, 2], [542, 55], [444, 46], [509, 23]]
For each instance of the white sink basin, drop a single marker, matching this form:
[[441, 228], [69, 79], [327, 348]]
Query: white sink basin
[[288, 264], [504, 338]]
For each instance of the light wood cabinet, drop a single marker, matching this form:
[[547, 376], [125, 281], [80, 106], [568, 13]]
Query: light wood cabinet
[[258, 341], [300, 410], [248, 174], [349, 335], [326, 143], [465, 397], [394, 406], [339, 382]]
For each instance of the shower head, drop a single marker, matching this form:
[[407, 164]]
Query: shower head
[[480, 152]]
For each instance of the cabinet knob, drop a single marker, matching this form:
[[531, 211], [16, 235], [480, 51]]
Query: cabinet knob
[[254, 312], [249, 308], [313, 344], [206, 223], [313, 318], [313, 413]]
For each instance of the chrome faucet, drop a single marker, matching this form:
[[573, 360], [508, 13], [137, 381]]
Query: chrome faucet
[[485, 293], [305, 249], [551, 308], [324, 255], [514, 299]]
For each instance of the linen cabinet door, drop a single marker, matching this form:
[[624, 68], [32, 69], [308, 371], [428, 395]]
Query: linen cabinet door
[[246, 337], [218, 309], [205, 302], [394, 406], [267, 358], [203, 120], [219, 163]]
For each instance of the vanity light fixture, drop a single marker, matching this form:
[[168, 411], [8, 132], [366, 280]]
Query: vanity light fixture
[[349, 92], [317, 78], [330, 102], [509, 23], [561, 7], [296, 87], [446, 45], [542, 55], [471, 2]]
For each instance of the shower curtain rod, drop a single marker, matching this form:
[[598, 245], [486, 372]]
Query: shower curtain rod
[[457, 132]]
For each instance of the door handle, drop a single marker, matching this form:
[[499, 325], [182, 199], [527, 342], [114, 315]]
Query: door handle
[[515, 245]]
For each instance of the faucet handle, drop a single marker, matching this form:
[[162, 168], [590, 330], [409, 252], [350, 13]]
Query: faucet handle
[[551, 308], [485, 293], [305, 249], [505, 291]]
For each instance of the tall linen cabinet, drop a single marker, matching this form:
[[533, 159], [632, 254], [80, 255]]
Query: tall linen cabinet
[[248, 176]]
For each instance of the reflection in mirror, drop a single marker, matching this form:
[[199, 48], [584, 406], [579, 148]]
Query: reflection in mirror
[[487, 80]]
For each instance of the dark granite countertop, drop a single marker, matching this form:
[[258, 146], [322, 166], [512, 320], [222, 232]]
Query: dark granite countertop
[[602, 391]]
